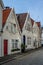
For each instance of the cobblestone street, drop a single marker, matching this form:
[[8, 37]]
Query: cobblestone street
[[35, 58]]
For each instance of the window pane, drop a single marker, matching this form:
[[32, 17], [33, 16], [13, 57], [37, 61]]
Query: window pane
[[28, 40], [27, 27], [16, 43], [12, 43], [7, 27], [13, 28]]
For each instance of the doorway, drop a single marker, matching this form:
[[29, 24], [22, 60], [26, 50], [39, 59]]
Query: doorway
[[5, 47]]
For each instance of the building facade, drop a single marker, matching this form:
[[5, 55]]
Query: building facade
[[10, 36], [37, 34], [30, 31]]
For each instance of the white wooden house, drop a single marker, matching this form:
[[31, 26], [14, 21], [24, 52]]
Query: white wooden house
[[10, 37], [37, 34], [25, 25], [30, 31]]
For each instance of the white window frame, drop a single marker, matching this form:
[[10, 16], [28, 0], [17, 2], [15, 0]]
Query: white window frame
[[13, 28], [29, 40], [13, 43]]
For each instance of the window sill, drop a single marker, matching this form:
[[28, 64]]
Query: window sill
[[13, 50]]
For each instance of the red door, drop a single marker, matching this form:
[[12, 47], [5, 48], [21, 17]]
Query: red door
[[5, 47]]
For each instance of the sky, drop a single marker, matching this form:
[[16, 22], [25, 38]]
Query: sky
[[34, 7]]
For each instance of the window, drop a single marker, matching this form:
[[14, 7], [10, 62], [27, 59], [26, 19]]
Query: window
[[13, 28], [16, 43], [27, 27], [7, 27], [34, 44], [28, 40], [12, 43], [35, 30]]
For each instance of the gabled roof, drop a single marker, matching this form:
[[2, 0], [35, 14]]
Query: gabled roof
[[6, 13], [21, 19], [38, 23], [32, 21]]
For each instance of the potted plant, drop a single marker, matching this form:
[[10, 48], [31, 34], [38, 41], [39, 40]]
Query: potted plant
[[22, 48], [17, 49]]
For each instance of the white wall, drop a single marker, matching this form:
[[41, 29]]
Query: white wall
[[36, 33], [42, 37], [9, 37], [0, 17]]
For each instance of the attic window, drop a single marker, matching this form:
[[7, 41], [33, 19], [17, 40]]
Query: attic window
[[6, 27], [27, 27], [13, 28]]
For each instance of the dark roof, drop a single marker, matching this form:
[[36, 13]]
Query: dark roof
[[21, 19], [39, 24]]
